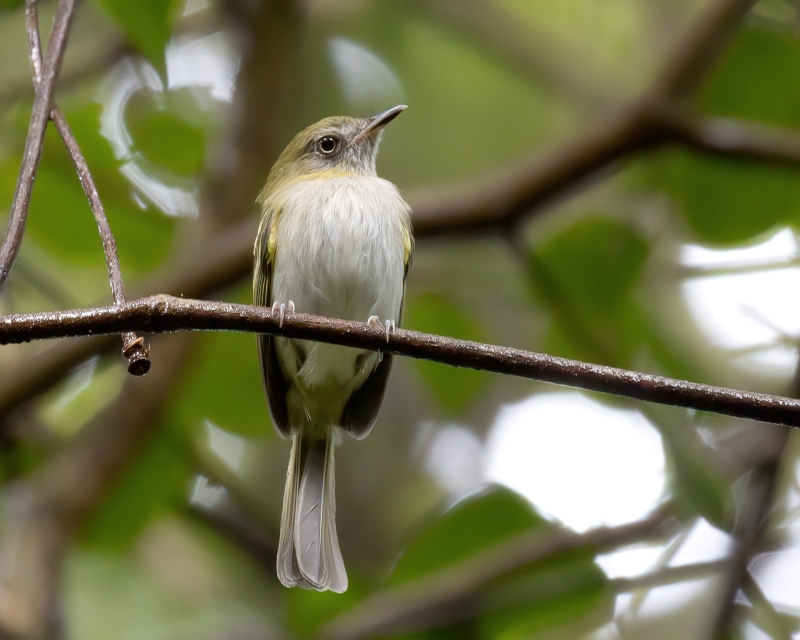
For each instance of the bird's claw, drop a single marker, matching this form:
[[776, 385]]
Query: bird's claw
[[389, 324], [390, 327], [282, 309]]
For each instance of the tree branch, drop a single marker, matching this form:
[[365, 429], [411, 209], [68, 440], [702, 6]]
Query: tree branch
[[669, 575], [165, 313], [35, 139], [735, 139], [445, 593]]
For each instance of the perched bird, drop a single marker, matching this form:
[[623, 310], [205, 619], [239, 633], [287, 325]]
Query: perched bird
[[334, 240]]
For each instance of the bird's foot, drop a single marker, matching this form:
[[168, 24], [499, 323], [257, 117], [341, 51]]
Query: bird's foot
[[389, 324], [282, 309]]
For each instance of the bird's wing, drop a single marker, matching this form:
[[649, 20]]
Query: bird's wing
[[362, 408], [264, 266]]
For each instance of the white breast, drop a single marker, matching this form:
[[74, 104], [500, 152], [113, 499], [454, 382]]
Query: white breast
[[340, 248], [340, 253]]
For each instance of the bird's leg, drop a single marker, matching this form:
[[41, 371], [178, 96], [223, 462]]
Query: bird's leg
[[389, 324], [282, 309]]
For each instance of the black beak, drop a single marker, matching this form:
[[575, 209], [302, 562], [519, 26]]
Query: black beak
[[378, 121]]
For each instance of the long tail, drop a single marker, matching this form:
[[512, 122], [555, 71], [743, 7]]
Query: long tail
[[308, 551]]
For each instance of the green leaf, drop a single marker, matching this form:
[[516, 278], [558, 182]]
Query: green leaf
[[474, 523], [727, 202], [756, 78], [307, 610], [595, 261], [60, 219], [454, 388], [224, 384], [567, 588], [585, 274], [147, 24], [5, 5], [164, 137], [156, 481], [698, 487]]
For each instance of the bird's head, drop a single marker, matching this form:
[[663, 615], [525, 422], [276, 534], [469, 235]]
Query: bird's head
[[337, 145]]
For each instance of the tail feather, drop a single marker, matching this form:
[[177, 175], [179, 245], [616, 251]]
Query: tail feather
[[288, 573], [308, 551]]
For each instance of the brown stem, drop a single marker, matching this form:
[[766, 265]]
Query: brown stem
[[132, 346]]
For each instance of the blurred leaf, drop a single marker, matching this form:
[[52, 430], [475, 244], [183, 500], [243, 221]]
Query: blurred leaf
[[60, 218], [79, 397], [156, 481], [548, 593], [224, 384], [756, 78], [146, 22], [162, 134], [585, 274], [696, 484], [453, 387], [727, 202], [596, 261], [307, 610], [472, 524], [5, 5], [169, 142]]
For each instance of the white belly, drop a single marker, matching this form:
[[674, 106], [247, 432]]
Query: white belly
[[340, 253]]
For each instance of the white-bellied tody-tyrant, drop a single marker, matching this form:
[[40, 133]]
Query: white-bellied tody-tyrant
[[334, 240]]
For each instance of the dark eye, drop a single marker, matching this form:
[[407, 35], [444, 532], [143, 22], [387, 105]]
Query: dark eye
[[328, 145]]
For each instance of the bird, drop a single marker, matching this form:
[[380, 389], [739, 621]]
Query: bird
[[334, 240]]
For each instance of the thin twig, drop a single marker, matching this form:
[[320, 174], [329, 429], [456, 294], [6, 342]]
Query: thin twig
[[411, 605], [35, 139], [132, 346], [164, 313], [668, 575]]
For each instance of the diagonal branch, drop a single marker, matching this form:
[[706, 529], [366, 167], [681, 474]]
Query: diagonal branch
[[132, 346], [696, 52], [35, 140], [419, 603], [165, 313], [635, 127]]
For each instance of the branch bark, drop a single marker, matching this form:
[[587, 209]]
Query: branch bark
[[165, 313]]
